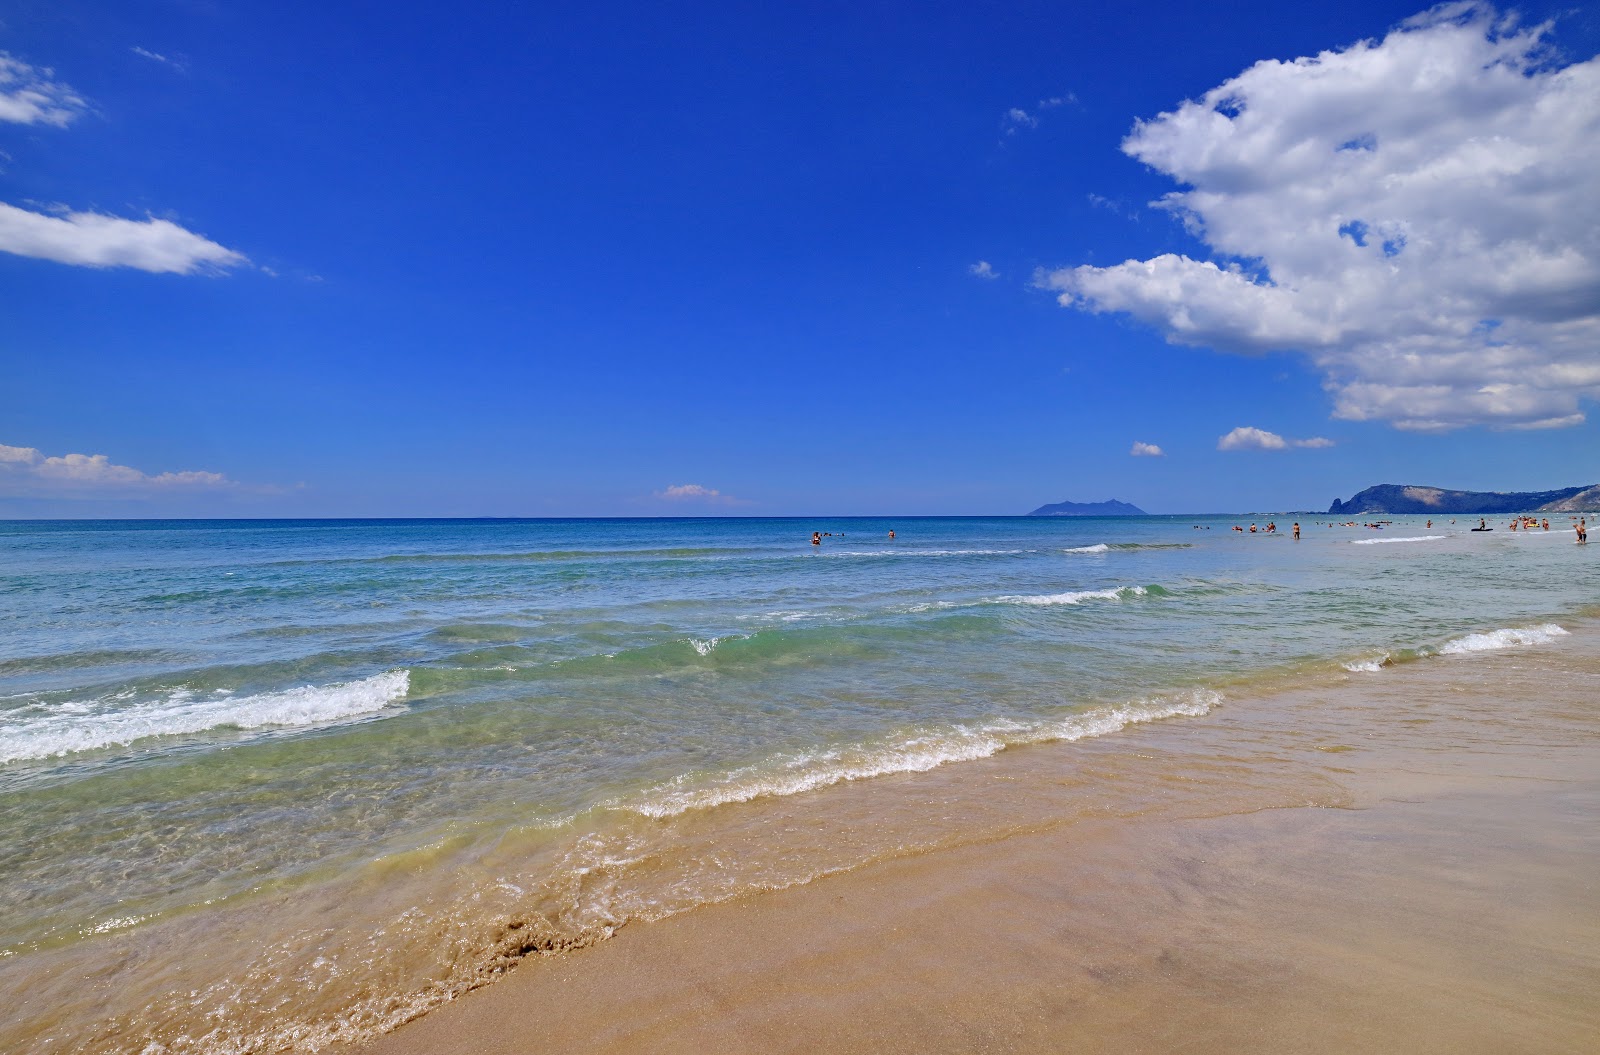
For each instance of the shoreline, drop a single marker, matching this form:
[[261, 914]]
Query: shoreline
[[1425, 893], [980, 840]]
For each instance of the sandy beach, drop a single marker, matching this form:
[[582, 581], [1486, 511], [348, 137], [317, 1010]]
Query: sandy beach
[[1403, 861]]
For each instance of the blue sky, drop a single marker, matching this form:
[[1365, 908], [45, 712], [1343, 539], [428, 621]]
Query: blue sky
[[447, 260]]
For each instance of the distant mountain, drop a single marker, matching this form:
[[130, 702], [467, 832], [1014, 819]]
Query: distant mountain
[[1112, 508], [1405, 498]]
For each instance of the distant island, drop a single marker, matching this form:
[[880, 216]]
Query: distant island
[[1112, 508], [1408, 498]]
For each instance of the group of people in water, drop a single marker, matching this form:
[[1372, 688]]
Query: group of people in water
[[1271, 528], [1524, 522], [1527, 523], [818, 536]]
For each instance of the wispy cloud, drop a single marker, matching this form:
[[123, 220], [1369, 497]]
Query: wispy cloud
[[1017, 118], [696, 493], [1418, 215], [1146, 450], [1112, 205], [31, 95], [91, 239], [983, 269], [156, 56], [28, 471], [1245, 438]]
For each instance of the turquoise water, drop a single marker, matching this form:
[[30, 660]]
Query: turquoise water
[[192, 713]]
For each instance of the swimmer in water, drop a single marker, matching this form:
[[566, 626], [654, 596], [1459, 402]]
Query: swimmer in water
[[816, 538]]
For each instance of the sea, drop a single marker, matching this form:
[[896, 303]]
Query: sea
[[279, 785]]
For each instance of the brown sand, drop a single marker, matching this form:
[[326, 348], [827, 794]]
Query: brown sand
[[1454, 906]]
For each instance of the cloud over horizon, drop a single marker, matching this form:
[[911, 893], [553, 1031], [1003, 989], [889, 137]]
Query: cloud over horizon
[[696, 493], [1246, 438], [1418, 215], [28, 471]]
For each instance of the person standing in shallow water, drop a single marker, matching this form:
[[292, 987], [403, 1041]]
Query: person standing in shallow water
[[1297, 531], [891, 532], [816, 538]]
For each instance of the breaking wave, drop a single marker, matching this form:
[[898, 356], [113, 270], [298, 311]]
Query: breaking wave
[[1116, 593], [1411, 538], [73, 727], [793, 774], [1511, 637]]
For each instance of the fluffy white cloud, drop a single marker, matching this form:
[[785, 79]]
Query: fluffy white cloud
[[25, 470], [1419, 215], [31, 95], [1146, 450], [983, 269], [696, 493], [1245, 438], [94, 239]]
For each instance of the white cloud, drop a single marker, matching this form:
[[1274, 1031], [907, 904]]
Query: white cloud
[[93, 239], [156, 56], [25, 470], [31, 95], [1146, 450], [1245, 438], [1016, 118], [696, 493], [983, 269], [1418, 215]]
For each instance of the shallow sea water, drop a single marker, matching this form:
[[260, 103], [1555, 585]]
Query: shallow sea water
[[277, 784]]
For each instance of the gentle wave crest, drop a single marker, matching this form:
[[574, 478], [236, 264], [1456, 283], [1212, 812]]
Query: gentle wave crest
[[706, 645], [1510, 637], [794, 774], [1098, 547], [1410, 538], [89, 727], [1116, 593], [1367, 666]]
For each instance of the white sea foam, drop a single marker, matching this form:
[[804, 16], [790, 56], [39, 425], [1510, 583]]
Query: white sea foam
[[1098, 547], [1411, 538], [705, 646], [1510, 637], [1367, 666], [1071, 596], [107, 926], [793, 774], [68, 729]]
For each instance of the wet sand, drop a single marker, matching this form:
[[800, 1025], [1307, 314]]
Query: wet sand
[[1440, 894]]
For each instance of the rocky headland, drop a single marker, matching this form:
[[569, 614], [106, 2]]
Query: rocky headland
[[1409, 498]]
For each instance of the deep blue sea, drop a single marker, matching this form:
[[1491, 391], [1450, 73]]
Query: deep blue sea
[[198, 716]]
